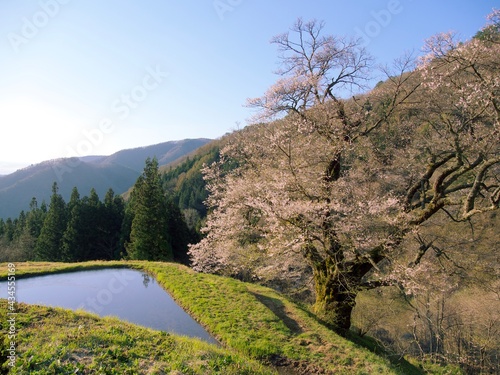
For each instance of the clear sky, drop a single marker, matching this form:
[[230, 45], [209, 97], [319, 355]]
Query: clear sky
[[80, 77]]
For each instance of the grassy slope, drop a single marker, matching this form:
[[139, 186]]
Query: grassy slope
[[249, 320], [57, 341]]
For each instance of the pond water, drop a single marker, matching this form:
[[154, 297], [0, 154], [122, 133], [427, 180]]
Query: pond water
[[127, 294]]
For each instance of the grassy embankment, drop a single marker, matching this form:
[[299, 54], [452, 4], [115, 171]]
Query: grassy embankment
[[254, 324]]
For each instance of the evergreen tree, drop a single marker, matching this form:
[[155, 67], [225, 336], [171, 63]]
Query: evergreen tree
[[180, 233], [72, 243], [34, 219], [20, 223], [126, 226], [114, 211], [149, 234], [31, 230], [93, 230], [9, 230], [48, 246], [43, 207], [93, 226], [74, 199]]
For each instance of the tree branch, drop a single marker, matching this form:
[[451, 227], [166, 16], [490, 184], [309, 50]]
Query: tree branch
[[431, 169], [468, 209]]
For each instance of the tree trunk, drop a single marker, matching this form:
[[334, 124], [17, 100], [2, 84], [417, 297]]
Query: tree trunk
[[335, 296], [337, 282]]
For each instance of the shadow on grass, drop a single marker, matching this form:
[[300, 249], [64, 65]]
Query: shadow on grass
[[278, 308], [400, 365]]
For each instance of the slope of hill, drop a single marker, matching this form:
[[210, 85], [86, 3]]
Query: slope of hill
[[253, 323], [164, 152], [118, 171]]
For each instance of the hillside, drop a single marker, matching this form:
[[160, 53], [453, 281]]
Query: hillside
[[253, 324], [184, 181], [165, 153], [118, 171]]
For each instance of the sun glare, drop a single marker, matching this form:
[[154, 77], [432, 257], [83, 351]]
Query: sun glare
[[34, 130]]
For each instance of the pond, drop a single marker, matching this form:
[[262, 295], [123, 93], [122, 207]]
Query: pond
[[128, 294]]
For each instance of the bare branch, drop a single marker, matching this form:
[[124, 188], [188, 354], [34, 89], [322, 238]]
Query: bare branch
[[314, 68]]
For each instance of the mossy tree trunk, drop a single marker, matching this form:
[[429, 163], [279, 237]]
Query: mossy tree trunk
[[335, 299], [338, 281]]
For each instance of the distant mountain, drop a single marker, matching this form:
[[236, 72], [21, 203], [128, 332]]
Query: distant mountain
[[135, 158], [92, 158], [118, 171]]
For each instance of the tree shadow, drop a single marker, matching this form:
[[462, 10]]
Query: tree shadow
[[398, 363], [278, 308]]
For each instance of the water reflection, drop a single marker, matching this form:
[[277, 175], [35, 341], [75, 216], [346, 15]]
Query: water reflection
[[124, 293], [146, 279]]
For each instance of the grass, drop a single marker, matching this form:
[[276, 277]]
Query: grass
[[263, 324], [57, 341], [255, 325], [27, 269]]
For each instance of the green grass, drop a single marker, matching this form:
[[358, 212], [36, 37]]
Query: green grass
[[57, 341], [252, 323], [27, 269]]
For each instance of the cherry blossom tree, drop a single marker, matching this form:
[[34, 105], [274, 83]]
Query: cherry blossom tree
[[338, 184]]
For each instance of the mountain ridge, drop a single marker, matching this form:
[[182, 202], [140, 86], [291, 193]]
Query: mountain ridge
[[117, 171]]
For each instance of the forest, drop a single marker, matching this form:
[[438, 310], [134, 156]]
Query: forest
[[148, 226], [377, 208]]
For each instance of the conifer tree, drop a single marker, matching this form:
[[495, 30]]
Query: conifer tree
[[114, 211], [9, 230], [34, 219], [180, 233], [93, 225], [49, 243], [149, 235], [31, 230], [20, 223], [72, 244]]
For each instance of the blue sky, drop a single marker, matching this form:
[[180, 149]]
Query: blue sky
[[81, 77]]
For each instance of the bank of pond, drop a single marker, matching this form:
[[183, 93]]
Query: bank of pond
[[127, 294]]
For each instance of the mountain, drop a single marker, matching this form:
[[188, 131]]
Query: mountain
[[92, 158], [165, 153], [118, 171]]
